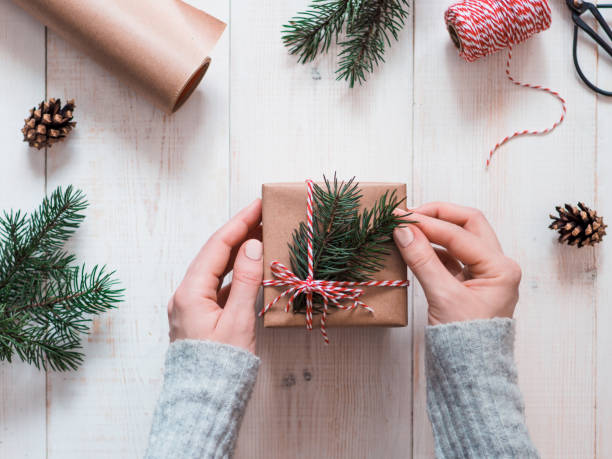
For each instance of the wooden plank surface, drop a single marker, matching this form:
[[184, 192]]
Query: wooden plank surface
[[159, 185], [603, 203], [22, 186], [290, 122], [461, 110]]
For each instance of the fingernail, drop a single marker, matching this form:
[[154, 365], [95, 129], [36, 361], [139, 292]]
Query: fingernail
[[253, 249], [404, 236], [402, 212]]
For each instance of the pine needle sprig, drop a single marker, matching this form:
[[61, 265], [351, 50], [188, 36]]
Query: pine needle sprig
[[371, 237], [27, 243], [46, 301], [348, 245], [314, 30], [368, 33], [368, 25]]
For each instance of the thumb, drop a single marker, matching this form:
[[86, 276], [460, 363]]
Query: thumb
[[422, 259], [246, 280]]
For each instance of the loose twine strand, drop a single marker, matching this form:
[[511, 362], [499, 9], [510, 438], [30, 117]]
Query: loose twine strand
[[330, 291], [483, 27]]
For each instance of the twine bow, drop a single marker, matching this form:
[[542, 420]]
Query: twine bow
[[331, 291]]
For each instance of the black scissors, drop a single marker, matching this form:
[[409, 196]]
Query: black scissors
[[578, 7]]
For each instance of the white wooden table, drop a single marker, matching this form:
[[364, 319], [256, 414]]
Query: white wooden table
[[159, 185]]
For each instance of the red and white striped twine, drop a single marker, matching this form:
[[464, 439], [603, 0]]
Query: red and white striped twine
[[484, 27], [331, 291]]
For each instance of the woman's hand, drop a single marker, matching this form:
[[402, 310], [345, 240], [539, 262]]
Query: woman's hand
[[470, 278], [200, 308]]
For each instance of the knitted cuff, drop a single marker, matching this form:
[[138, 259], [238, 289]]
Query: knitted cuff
[[473, 399], [206, 388]]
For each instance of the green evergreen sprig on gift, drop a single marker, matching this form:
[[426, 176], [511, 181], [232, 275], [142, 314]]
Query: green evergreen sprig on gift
[[46, 300], [368, 26], [348, 245]]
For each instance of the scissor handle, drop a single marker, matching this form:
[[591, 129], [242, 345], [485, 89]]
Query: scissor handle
[[579, 69], [589, 30]]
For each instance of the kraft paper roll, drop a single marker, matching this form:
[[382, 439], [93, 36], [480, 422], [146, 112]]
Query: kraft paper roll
[[159, 47]]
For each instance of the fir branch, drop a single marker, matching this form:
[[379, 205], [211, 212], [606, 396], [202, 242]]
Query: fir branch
[[49, 227], [313, 31], [336, 208], [46, 302], [348, 245], [369, 26], [369, 32], [371, 236]]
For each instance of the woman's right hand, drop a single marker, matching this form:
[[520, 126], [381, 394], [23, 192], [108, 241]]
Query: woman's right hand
[[201, 309], [470, 278]]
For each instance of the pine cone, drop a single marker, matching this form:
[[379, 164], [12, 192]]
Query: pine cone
[[48, 124], [578, 225]]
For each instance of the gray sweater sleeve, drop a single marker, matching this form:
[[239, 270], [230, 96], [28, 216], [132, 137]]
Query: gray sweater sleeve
[[473, 399], [206, 389]]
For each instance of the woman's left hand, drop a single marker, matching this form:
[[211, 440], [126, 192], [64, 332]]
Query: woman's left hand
[[200, 309]]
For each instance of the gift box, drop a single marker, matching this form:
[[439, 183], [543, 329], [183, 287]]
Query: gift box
[[284, 207]]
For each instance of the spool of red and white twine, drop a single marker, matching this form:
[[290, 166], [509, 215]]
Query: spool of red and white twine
[[482, 27], [331, 291]]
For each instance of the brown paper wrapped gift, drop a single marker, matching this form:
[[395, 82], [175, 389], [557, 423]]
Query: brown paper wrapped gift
[[284, 207]]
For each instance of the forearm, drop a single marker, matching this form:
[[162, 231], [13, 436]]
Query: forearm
[[206, 389], [473, 399]]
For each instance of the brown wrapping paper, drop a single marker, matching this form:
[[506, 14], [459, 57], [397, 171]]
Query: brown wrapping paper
[[284, 207], [159, 47]]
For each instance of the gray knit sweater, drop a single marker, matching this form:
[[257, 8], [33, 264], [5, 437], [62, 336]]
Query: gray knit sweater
[[473, 400], [206, 389]]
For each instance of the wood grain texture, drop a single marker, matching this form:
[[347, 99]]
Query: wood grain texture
[[22, 186], [461, 110], [290, 122], [603, 203], [160, 185]]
